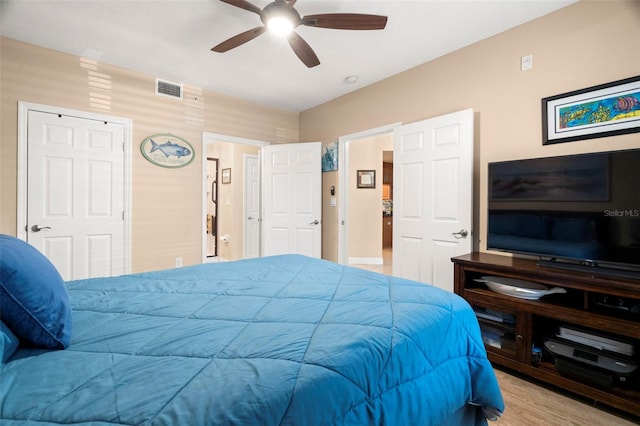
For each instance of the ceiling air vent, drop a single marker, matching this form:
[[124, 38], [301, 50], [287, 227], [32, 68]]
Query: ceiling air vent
[[168, 88]]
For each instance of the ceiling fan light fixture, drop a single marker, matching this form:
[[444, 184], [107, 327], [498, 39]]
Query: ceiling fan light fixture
[[280, 26], [280, 18]]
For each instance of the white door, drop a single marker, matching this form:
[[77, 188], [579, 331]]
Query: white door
[[291, 199], [432, 206], [75, 193], [252, 219]]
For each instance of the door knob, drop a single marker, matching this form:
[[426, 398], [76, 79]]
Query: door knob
[[461, 234], [37, 228], [315, 222]]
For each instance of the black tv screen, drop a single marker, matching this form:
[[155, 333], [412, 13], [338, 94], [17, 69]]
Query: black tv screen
[[582, 208]]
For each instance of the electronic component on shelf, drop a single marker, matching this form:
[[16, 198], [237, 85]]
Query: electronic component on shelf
[[589, 356], [620, 305], [595, 340], [577, 371]]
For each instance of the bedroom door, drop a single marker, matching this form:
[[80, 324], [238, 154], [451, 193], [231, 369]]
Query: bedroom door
[[433, 187], [291, 199], [75, 193]]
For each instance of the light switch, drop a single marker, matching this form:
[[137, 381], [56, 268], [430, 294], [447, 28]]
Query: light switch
[[526, 63], [332, 202]]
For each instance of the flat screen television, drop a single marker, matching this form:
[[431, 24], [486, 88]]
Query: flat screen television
[[575, 211]]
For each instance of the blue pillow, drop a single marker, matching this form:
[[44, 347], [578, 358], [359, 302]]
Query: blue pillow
[[34, 302], [8, 343]]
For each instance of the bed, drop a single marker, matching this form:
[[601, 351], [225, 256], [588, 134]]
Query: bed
[[281, 340]]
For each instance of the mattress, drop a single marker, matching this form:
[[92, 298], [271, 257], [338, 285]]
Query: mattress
[[282, 340]]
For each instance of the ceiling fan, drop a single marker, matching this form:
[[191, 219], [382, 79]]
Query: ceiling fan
[[282, 18]]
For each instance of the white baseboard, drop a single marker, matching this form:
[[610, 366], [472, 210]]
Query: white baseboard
[[216, 260], [365, 261]]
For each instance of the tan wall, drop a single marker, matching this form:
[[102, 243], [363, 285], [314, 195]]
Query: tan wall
[[330, 215], [365, 205], [585, 44], [167, 203]]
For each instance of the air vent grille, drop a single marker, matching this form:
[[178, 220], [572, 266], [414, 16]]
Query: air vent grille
[[168, 88]]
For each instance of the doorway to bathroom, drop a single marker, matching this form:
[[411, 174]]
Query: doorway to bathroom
[[212, 208]]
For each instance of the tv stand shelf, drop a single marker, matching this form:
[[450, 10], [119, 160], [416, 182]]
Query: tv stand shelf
[[513, 326]]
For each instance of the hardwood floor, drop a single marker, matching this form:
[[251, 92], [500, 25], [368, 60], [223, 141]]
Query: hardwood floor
[[530, 404], [534, 405]]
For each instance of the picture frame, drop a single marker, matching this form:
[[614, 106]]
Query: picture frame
[[594, 112], [167, 150], [226, 176], [330, 157], [366, 178]]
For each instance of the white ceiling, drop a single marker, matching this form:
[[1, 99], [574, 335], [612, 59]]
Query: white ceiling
[[172, 40]]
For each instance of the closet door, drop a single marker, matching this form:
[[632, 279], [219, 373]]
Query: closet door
[[75, 194]]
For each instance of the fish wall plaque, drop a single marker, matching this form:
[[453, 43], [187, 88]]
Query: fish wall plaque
[[167, 150]]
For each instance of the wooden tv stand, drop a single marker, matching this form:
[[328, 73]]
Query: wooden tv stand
[[525, 324]]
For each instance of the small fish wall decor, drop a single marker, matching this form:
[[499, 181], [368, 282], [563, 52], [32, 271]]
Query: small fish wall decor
[[167, 150]]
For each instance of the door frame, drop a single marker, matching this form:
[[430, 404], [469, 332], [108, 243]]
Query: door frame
[[209, 138], [23, 117], [343, 173]]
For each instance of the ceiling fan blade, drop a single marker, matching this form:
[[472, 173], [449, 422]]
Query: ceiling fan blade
[[239, 39], [303, 50], [242, 4], [346, 21]]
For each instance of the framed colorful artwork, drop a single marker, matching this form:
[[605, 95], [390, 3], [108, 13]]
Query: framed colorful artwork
[[330, 157], [604, 110]]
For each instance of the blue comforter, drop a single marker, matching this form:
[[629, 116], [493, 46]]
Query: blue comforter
[[283, 340]]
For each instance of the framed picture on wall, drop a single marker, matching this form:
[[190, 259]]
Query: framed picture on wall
[[330, 157], [366, 178], [167, 150], [604, 110], [226, 175]]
